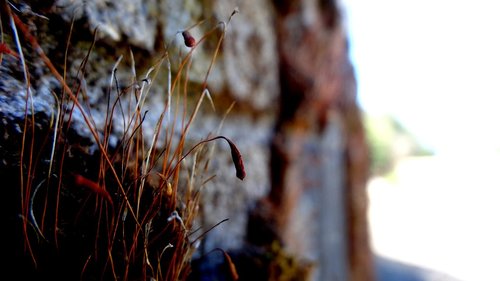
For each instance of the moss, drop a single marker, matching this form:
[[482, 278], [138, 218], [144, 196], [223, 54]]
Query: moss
[[285, 267]]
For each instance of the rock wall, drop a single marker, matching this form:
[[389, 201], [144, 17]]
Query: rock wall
[[295, 118]]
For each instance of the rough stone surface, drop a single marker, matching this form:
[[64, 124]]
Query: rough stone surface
[[226, 197], [134, 21], [250, 64]]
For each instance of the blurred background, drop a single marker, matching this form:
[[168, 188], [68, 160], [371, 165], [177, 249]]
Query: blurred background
[[428, 76]]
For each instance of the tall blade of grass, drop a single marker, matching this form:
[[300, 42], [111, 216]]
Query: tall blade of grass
[[25, 185]]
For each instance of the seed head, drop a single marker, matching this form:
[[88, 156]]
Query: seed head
[[189, 40]]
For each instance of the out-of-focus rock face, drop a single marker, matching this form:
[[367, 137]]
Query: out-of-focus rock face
[[249, 66], [134, 21], [250, 54]]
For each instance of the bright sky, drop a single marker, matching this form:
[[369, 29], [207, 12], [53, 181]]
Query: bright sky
[[432, 64], [435, 66]]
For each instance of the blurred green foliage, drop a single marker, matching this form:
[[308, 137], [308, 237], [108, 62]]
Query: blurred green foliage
[[388, 140]]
